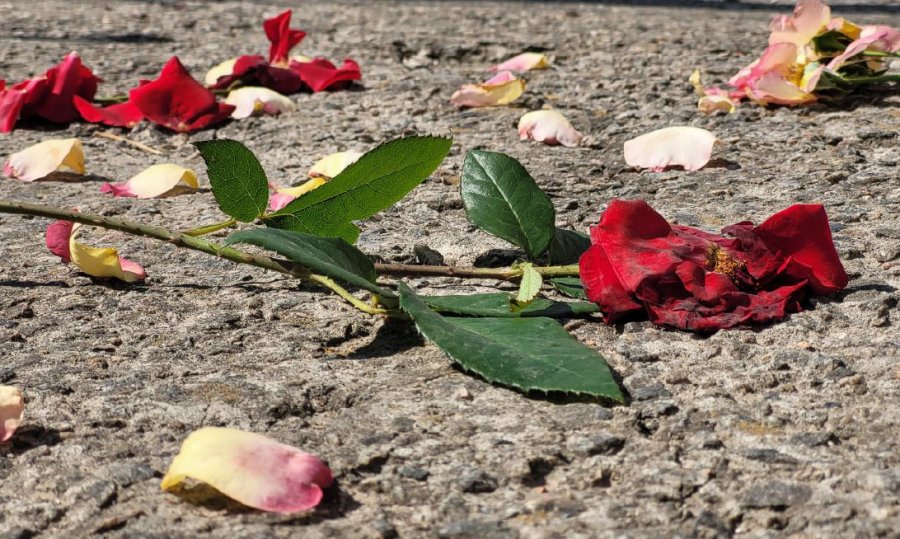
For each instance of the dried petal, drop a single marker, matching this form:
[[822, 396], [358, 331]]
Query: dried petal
[[549, 127], [43, 158], [97, 262], [118, 115], [250, 468], [502, 89], [712, 103], [220, 70], [690, 147], [155, 181], [12, 408], [176, 101], [331, 165], [251, 100], [523, 62], [319, 74]]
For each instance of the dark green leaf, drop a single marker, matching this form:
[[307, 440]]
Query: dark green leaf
[[238, 180], [830, 43], [567, 246], [374, 182], [523, 353], [570, 286], [332, 257], [501, 198], [498, 305]]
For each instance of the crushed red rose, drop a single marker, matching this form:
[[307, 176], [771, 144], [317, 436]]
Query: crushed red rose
[[686, 278], [49, 96]]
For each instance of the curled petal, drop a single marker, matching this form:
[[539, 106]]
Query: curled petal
[[319, 74], [690, 147], [11, 102], [43, 158], [118, 115], [251, 100], [97, 262], [12, 408], [712, 103], [250, 468], [331, 165], [523, 62], [285, 195], [155, 181], [871, 38], [549, 127], [57, 238], [772, 88], [218, 71], [281, 37], [66, 80], [809, 18], [502, 89]]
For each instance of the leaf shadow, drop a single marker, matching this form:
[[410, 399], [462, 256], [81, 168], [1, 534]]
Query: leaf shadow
[[34, 284], [393, 337], [30, 437]]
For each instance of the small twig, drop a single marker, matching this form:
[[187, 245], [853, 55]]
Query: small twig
[[120, 138]]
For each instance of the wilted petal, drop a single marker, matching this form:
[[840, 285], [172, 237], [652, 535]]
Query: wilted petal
[[12, 408], [97, 262], [809, 18], [524, 62], [250, 468], [712, 103], [285, 195], [40, 160], [118, 115], [872, 38], [690, 147], [11, 102], [331, 165], [501, 89], [153, 182], [220, 70], [549, 127], [251, 100]]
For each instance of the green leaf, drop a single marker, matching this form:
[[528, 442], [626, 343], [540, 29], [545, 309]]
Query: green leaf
[[569, 286], [523, 353], [332, 257], [497, 305], [830, 43], [529, 285], [374, 182], [567, 246], [238, 180], [501, 198]]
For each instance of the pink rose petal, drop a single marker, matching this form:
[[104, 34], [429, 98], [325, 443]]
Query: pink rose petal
[[809, 18], [41, 159], [523, 62], [689, 147], [549, 127], [501, 89], [12, 408]]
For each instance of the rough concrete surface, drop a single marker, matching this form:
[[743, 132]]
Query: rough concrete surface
[[787, 430]]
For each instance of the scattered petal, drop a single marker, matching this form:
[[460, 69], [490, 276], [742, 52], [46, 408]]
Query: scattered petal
[[94, 261], [12, 408], [523, 62], [281, 37], [251, 100], [44, 158], [713, 103], [690, 147], [319, 74], [220, 70], [176, 101], [118, 115], [549, 127], [331, 165], [154, 182], [250, 468], [285, 195], [502, 89], [256, 71], [686, 278]]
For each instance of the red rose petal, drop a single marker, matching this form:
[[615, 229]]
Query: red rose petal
[[67, 79], [255, 71], [320, 74], [118, 115], [281, 37]]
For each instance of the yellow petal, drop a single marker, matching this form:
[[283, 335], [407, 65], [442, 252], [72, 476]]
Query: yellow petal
[[12, 408], [303, 188], [694, 79], [332, 165], [500, 90], [221, 70], [102, 262], [712, 103], [43, 158], [251, 100], [153, 182], [250, 468]]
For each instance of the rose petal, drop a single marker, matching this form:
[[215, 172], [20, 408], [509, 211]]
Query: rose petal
[[502, 89], [153, 182], [772, 88], [281, 37], [712, 103], [97, 262], [285, 195], [176, 101], [549, 127], [12, 408], [43, 158], [11, 103], [66, 80], [250, 468], [523, 62], [320, 74], [872, 38], [332, 165], [118, 115], [220, 70], [809, 18], [690, 147], [251, 100]]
